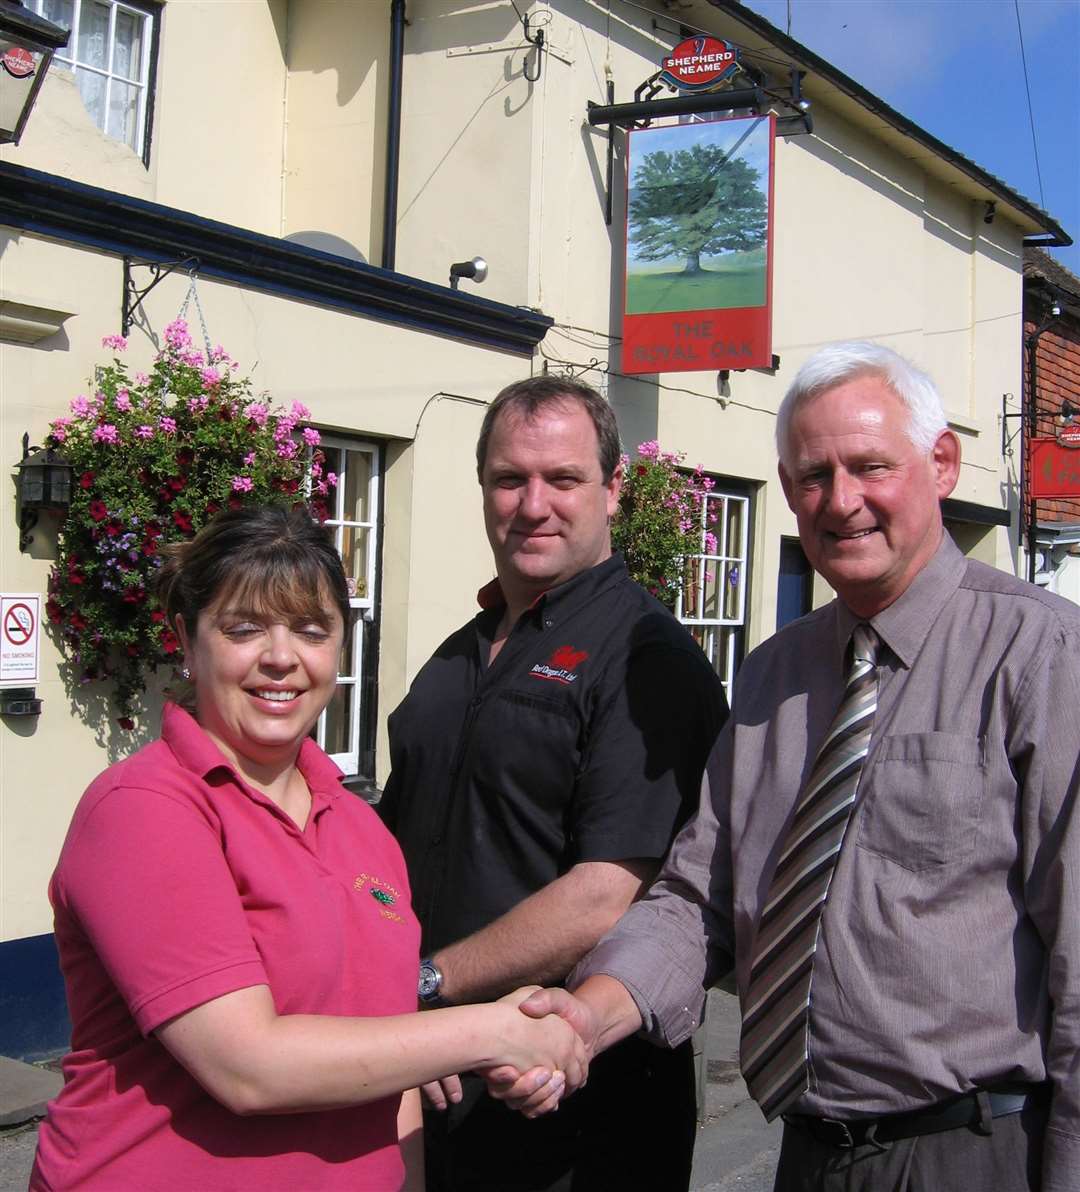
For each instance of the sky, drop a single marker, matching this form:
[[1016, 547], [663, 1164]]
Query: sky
[[955, 68]]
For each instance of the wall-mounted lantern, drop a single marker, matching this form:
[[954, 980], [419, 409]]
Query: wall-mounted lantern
[[475, 270], [44, 483], [27, 44]]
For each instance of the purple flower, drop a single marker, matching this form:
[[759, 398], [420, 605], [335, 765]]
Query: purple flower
[[249, 459], [242, 484], [143, 432], [312, 436], [107, 433], [168, 425], [176, 334]]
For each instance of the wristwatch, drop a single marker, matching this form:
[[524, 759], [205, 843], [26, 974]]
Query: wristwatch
[[431, 978]]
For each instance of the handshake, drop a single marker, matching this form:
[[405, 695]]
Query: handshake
[[543, 1043]]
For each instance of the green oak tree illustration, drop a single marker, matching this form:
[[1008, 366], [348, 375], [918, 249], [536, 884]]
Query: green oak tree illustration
[[694, 202]]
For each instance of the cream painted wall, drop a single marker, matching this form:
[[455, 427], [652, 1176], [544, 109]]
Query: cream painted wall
[[335, 133]]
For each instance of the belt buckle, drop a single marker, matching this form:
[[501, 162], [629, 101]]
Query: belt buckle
[[840, 1134]]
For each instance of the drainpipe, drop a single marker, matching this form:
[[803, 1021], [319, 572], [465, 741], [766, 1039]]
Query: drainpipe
[[393, 132]]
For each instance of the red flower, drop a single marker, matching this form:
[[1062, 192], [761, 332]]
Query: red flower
[[177, 484], [125, 722], [153, 529], [170, 643], [134, 595], [144, 476], [235, 503], [86, 480], [157, 616], [75, 576], [98, 510], [114, 527], [185, 457], [78, 622], [55, 611], [149, 547], [641, 470], [182, 521], [133, 651], [166, 494], [212, 507]]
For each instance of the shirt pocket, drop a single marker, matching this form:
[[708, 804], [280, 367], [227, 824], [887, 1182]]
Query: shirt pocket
[[922, 801]]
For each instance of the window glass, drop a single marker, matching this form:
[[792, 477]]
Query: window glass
[[108, 50]]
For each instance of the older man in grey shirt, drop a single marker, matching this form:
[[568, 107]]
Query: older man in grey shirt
[[943, 1024]]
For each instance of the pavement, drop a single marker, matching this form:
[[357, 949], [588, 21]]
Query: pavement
[[736, 1150]]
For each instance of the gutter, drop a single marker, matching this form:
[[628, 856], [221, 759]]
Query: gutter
[[393, 133]]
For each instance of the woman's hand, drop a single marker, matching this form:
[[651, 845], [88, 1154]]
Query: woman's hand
[[546, 1043]]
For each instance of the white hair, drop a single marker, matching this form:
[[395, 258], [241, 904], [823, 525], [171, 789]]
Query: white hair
[[835, 364]]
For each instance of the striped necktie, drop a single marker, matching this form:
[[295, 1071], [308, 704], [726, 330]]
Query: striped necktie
[[774, 1046]]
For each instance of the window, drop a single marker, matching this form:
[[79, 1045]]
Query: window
[[346, 730], [712, 603], [110, 51]]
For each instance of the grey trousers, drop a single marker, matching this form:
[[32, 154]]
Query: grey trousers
[[963, 1160]]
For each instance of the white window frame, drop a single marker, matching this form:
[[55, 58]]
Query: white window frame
[[718, 636], [67, 57], [365, 606]]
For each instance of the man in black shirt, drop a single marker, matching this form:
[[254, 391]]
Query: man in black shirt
[[541, 763]]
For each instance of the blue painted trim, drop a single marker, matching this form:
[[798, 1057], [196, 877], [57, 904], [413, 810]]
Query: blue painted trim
[[34, 1022], [115, 223]]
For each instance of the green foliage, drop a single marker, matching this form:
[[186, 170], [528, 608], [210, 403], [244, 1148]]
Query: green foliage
[[155, 457], [659, 519], [694, 202]]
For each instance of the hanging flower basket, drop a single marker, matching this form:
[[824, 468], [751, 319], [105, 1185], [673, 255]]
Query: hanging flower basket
[[155, 456], [658, 523]]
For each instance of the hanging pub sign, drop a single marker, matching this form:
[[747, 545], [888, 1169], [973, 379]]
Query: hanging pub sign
[[698, 293], [699, 63], [1055, 464]]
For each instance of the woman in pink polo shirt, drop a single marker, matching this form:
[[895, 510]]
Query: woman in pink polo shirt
[[234, 927]]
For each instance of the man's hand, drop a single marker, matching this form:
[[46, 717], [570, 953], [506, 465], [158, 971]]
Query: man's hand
[[539, 1091]]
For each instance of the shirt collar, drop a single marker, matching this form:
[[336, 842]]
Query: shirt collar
[[566, 597], [195, 751], [907, 622]]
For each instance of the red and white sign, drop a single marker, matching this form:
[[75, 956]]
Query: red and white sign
[[699, 63], [1055, 469], [20, 625], [19, 62], [1069, 434]]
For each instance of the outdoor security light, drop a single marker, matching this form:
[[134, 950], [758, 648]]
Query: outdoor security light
[[27, 44], [475, 270]]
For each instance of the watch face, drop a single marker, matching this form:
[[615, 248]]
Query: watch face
[[430, 980]]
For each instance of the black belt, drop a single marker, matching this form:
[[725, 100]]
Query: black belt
[[946, 1115]]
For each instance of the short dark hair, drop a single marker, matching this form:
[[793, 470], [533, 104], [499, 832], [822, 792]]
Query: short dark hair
[[533, 394], [266, 556]]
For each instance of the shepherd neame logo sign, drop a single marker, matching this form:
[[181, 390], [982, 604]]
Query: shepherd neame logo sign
[[699, 63]]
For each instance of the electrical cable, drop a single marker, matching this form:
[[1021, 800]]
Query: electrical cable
[[1031, 113]]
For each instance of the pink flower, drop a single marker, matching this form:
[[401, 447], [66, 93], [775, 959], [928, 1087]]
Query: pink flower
[[210, 377], [192, 357], [123, 401], [258, 413], [649, 449], [300, 412], [143, 432], [176, 334], [242, 484], [249, 459], [312, 436], [198, 404], [168, 426], [106, 433], [58, 429], [141, 378], [287, 450], [218, 355], [331, 479], [117, 342], [81, 406], [284, 428]]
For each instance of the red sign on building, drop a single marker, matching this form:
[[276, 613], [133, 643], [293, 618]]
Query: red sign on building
[[1055, 469]]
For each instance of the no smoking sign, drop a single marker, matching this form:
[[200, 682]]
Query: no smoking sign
[[20, 623]]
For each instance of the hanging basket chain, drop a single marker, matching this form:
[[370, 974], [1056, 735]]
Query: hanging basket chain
[[193, 296]]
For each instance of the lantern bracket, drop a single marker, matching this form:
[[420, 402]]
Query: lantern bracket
[[132, 297]]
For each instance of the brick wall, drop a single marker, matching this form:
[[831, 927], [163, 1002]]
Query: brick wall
[[1058, 363]]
